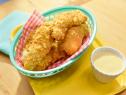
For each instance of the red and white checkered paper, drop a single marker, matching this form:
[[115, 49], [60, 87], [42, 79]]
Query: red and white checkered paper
[[33, 22]]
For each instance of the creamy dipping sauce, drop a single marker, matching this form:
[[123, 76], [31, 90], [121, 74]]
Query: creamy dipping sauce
[[109, 64]]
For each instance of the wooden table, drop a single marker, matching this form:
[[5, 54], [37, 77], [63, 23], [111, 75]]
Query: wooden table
[[111, 21]]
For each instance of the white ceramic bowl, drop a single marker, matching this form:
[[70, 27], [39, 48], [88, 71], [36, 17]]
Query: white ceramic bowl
[[99, 74]]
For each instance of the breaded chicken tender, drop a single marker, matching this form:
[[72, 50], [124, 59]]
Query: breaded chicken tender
[[37, 47], [65, 20], [74, 38]]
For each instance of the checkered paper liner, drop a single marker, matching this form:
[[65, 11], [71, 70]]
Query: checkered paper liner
[[36, 20]]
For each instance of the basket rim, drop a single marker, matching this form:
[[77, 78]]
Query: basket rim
[[14, 42]]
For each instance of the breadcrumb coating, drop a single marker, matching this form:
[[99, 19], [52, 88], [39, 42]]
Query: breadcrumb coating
[[65, 20], [37, 47]]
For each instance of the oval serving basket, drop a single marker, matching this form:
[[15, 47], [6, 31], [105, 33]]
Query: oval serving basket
[[49, 15]]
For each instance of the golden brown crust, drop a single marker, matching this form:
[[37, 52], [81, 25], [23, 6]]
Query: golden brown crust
[[65, 20], [37, 47]]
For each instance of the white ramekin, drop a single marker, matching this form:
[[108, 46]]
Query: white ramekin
[[101, 76]]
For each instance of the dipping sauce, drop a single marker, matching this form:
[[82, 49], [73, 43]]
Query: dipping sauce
[[109, 64]]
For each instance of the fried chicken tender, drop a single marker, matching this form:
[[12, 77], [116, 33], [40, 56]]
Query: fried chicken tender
[[37, 47], [65, 20], [74, 38]]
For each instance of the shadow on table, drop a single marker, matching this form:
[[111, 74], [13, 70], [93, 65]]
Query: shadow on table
[[24, 88], [11, 82]]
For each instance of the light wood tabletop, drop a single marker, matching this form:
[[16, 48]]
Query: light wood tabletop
[[111, 22]]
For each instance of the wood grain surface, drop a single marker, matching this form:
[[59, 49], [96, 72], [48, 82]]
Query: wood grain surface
[[110, 15]]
